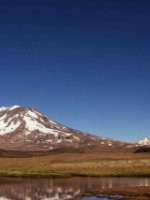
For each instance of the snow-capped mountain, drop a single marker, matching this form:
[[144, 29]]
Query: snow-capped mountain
[[28, 129], [144, 142]]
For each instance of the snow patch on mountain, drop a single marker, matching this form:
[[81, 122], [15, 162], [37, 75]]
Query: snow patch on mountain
[[145, 141], [33, 125], [8, 127], [32, 114], [14, 107], [3, 108]]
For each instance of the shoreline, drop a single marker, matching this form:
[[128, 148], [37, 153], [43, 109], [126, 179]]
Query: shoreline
[[17, 175], [122, 193]]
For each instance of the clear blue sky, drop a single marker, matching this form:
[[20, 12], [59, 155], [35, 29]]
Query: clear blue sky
[[84, 63]]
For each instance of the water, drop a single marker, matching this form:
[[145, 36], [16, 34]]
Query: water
[[93, 198], [96, 198], [60, 188]]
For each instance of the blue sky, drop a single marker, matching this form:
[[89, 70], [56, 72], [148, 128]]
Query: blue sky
[[84, 63]]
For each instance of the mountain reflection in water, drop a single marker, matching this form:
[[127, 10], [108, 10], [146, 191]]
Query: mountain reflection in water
[[59, 188]]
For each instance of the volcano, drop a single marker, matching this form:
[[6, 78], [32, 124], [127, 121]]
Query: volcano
[[27, 129]]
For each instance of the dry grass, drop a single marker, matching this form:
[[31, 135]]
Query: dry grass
[[78, 164]]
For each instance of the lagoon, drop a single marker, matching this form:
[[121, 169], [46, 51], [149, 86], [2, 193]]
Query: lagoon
[[61, 188]]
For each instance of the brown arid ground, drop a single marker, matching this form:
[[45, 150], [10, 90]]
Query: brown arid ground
[[125, 193], [78, 164]]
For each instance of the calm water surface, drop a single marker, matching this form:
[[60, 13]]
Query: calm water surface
[[60, 188], [94, 198]]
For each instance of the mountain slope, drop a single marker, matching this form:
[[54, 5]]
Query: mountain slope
[[28, 129]]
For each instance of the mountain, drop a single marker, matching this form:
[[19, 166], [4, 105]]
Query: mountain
[[144, 142], [26, 129], [143, 146]]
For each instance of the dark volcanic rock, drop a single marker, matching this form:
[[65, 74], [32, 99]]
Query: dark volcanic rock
[[143, 150]]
